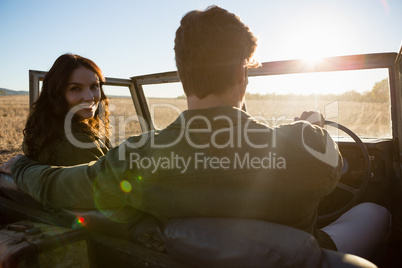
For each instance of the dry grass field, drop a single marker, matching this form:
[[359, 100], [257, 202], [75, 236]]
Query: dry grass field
[[365, 119], [13, 114]]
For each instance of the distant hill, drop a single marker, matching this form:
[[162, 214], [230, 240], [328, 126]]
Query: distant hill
[[5, 91]]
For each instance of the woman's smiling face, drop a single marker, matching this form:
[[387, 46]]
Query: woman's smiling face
[[83, 90]]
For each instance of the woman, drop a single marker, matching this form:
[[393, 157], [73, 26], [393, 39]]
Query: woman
[[69, 122]]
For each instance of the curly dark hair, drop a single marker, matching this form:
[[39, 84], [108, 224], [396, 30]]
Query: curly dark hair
[[209, 45], [46, 120]]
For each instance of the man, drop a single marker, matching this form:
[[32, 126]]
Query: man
[[215, 160]]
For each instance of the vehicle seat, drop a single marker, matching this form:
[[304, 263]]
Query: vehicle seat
[[234, 242], [9, 189], [199, 242], [115, 222]]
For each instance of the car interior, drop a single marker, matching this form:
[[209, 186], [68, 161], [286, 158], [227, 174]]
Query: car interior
[[362, 116]]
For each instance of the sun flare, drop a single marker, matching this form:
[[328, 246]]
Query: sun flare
[[313, 45], [314, 37], [312, 59]]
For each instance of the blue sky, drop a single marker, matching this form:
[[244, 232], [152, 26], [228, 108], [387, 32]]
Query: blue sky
[[128, 38]]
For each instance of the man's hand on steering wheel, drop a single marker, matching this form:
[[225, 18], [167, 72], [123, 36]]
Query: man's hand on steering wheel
[[314, 118]]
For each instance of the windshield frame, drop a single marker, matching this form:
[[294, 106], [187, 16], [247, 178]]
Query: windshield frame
[[329, 64]]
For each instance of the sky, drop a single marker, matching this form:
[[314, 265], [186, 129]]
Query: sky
[[128, 38]]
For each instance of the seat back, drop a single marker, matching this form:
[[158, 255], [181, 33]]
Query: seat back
[[223, 242], [198, 242], [9, 189], [116, 222]]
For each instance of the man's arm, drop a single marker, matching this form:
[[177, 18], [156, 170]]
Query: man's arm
[[6, 167], [319, 144], [93, 185]]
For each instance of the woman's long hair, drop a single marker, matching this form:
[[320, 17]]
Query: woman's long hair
[[46, 120]]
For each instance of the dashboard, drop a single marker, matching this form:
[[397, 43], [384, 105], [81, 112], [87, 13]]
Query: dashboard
[[380, 171]]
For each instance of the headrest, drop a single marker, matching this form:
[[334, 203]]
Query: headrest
[[223, 242], [9, 189], [234, 242]]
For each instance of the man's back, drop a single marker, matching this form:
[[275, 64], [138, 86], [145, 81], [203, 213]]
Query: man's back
[[220, 162], [216, 162]]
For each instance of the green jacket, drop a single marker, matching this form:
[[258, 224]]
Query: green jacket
[[66, 150], [216, 162]]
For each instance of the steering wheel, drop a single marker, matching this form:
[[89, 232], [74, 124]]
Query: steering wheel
[[356, 192]]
